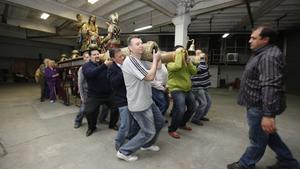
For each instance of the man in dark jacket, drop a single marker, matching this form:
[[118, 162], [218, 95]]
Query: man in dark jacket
[[262, 93], [99, 91], [115, 76]]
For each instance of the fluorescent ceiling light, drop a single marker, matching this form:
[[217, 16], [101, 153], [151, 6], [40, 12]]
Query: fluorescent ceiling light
[[143, 28], [44, 16], [92, 1], [225, 35]]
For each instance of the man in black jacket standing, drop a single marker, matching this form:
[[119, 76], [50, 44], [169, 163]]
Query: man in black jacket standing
[[99, 91], [115, 76], [262, 93]]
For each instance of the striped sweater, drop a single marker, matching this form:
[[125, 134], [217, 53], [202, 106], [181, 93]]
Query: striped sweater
[[201, 79]]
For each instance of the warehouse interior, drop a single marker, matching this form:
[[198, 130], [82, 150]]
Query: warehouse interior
[[36, 134]]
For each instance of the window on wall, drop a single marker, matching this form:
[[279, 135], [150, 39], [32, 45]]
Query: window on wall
[[236, 46]]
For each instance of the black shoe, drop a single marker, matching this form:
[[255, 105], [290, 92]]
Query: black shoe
[[114, 127], [42, 100], [77, 125], [66, 104], [90, 132], [199, 123], [279, 165], [204, 119], [235, 165]]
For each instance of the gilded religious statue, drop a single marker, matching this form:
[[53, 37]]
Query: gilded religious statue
[[112, 40], [89, 32], [78, 27]]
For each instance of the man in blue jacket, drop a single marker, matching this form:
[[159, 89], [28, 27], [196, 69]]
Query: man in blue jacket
[[99, 90]]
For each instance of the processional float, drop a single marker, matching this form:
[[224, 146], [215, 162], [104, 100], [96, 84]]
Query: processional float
[[88, 38]]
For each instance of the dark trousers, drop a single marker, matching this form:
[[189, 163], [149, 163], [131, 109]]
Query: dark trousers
[[44, 89], [56, 89], [183, 109], [92, 111]]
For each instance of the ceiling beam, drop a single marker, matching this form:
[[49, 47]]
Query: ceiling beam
[[249, 13], [107, 8], [12, 31], [216, 7], [57, 8], [265, 7], [53, 37], [132, 7], [63, 25], [78, 4], [161, 6], [95, 6], [121, 10], [4, 14], [135, 13], [28, 24], [157, 20]]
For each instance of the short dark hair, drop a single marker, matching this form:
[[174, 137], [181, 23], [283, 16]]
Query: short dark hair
[[113, 51], [90, 51], [86, 52], [267, 31], [178, 46], [132, 37]]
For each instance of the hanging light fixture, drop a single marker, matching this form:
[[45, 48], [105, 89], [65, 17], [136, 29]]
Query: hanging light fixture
[[92, 1], [145, 27], [44, 16], [225, 35]]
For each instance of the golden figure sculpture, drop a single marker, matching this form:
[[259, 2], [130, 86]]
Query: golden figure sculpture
[[78, 27], [89, 34], [112, 40]]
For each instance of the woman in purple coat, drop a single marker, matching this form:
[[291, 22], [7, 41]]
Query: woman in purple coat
[[53, 81]]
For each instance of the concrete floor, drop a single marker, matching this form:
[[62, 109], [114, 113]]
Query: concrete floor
[[41, 136]]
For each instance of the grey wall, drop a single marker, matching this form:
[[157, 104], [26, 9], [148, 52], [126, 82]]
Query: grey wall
[[20, 48], [230, 72], [24, 56]]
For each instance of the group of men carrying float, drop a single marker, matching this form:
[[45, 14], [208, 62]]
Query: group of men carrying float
[[88, 38], [261, 122]]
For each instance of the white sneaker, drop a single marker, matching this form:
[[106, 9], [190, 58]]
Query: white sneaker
[[129, 158], [51, 101], [151, 148]]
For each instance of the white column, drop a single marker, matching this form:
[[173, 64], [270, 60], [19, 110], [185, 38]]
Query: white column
[[181, 23]]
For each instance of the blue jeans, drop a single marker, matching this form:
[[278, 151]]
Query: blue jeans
[[159, 122], [161, 99], [259, 141], [150, 122], [126, 120], [203, 103], [80, 114], [181, 115]]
